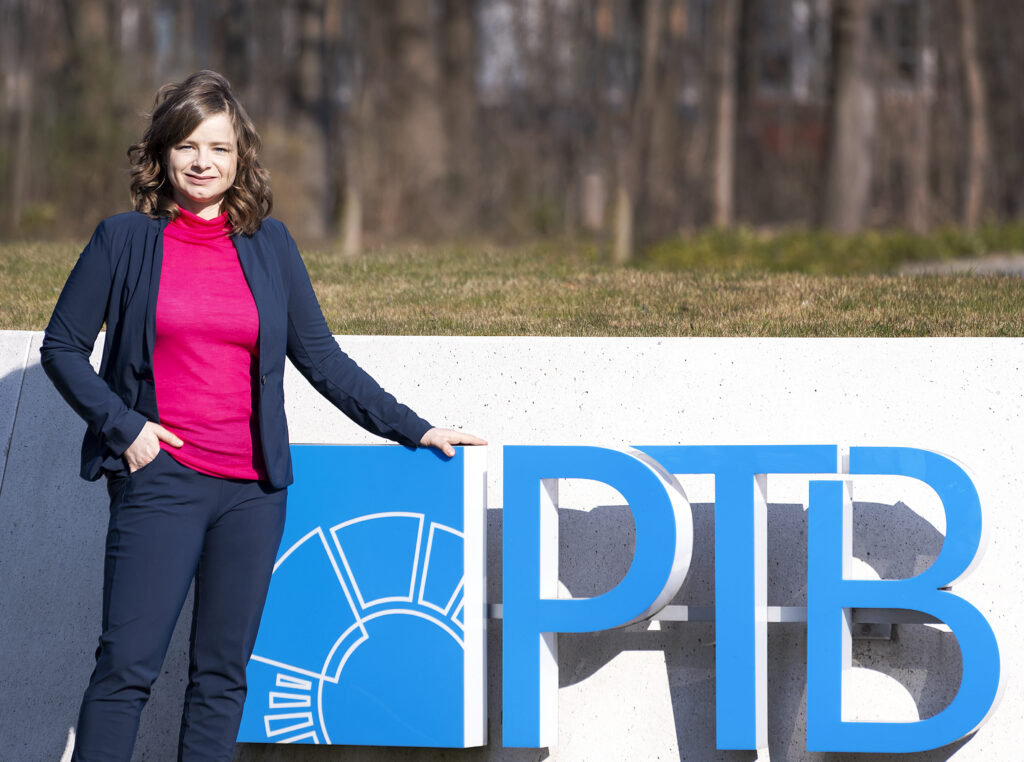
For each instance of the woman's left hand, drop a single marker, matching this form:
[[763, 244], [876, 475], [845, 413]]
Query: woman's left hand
[[443, 439]]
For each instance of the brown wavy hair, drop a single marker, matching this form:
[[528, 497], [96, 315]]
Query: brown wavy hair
[[180, 108]]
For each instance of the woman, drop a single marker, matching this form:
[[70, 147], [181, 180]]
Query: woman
[[203, 295]]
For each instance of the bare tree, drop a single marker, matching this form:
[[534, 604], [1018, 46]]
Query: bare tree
[[384, 119], [726, 35], [918, 192], [18, 104], [663, 192], [1002, 57], [417, 123], [234, 28], [351, 136], [459, 65], [94, 122], [134, 23], [634, 140], [851, 119], [311, 121], [592, 27], [978, 147]]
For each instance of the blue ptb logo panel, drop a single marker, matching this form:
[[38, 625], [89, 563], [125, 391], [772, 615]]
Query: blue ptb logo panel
[[372, 633]]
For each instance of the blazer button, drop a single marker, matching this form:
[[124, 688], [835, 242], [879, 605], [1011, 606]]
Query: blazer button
[[263, 380]]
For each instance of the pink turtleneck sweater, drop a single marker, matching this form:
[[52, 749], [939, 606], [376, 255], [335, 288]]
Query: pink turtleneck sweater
[[206, 357]]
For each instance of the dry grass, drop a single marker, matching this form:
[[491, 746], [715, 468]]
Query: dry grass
[[31, 276], [566, 291], [523, 292]]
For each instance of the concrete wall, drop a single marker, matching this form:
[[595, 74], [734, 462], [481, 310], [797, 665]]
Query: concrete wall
[[645, 692]]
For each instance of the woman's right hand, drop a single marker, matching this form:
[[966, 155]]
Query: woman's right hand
[[147, 445]]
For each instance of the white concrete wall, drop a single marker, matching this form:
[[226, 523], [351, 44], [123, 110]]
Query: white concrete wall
[[642, 693]]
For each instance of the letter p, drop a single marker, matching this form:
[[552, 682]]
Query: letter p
[[531, 611]]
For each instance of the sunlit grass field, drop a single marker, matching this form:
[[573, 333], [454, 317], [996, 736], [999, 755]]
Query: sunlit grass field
[[567, 290]]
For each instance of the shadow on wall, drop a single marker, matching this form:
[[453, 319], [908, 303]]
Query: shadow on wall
[[51, 565], [596, 550]]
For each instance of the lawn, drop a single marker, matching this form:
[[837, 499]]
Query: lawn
[[566, 290]]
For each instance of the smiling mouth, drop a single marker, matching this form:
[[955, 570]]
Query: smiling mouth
[[195, 179]]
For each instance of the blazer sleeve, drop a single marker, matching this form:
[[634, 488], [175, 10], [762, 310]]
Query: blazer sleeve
[[314, 351], [68, 343]]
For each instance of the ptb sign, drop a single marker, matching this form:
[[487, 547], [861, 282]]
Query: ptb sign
[[532, 614], [422, 579]]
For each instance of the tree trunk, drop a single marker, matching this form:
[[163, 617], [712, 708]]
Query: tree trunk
[[747, 157], [235, 42], [352, 218], [592, 180], [726, 35], [460, 110], [622, 246], [312, 120], [136, 50], [978, 148], [419, 122], [21, 160], [851, 121], [663, 191], [17, 111], [263, 49], [93, 92], [633, 151], [351, 138], [184, 38], [919, 151], [331, 117], [697, 159]]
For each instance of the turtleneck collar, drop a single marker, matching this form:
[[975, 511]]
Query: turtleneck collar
[[191, 228]]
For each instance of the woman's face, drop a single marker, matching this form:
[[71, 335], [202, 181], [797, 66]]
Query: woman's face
[[202, 167]]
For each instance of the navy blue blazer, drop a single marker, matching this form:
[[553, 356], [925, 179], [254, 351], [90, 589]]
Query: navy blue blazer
[[116, 281]]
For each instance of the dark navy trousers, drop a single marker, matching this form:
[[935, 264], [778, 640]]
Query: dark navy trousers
[[169, 524]]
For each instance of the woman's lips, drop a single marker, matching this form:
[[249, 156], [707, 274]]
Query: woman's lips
[[200, 180]]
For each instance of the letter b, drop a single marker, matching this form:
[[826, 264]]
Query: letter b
[[831, 596]]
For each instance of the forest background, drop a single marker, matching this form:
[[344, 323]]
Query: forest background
[[387, 120], [816, 136]]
